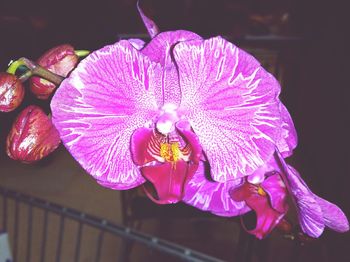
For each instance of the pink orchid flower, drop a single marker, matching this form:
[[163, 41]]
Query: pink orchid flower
[[268, 199], [134, 112]]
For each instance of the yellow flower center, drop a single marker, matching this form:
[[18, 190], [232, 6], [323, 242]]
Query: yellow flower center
[[261, 191], [170, 151]]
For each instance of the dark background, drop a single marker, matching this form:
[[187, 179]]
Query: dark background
[[316, 90]]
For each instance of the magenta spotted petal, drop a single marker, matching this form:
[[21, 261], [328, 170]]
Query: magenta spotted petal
[[160, 50], [289, 139], [231, 103], [107, 97], [212, 196]]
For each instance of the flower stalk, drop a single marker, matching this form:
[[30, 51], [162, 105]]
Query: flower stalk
[[33, 69]]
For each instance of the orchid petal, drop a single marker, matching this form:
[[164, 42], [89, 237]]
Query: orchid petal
[[289, 139], [159, 50], [277, 191], [139, 144], [308, 209], [333, 216], [137, 43], [231, 103], [108, 96], [267, 217], [168, 179], [184, 129], [151, 26], [212, 196]]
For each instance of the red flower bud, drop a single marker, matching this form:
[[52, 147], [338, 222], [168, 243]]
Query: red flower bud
[[59, 60], [32, 137], [11, 92]]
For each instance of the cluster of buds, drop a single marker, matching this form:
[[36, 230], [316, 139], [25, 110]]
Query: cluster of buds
[[33, 136]]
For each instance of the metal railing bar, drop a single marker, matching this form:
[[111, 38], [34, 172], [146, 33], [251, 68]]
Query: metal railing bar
[[124, 232], [16, 225], [29, 232], [78, 242], [99, 245], [60, 238], [4, 212], [44, 236]]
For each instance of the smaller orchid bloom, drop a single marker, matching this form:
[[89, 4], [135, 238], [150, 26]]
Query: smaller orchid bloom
[[267, 199], [32, 137], [267, 190], [11, 92], [59, 60]]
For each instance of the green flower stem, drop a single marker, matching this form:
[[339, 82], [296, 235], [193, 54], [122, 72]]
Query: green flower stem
[[81, 53], [13, 66], [24, 77], [34, 69]]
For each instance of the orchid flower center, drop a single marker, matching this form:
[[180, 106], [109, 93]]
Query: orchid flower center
[[170, 151], [261, 191]]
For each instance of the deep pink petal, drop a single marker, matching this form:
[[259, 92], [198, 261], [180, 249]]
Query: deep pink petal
[[289, 139], [151, 26], [267, 217], [160, 50], [231, 103], [168, 179], [107, 97], [212, 196], [333, 216], [277, 191], [309, 211], [243, 192], [139, 144]]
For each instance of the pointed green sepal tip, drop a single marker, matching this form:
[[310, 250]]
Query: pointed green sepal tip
[[81, 53]]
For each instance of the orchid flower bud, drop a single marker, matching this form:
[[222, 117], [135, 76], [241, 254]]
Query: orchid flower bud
[[32, 136], [59, 60], [11, 92]]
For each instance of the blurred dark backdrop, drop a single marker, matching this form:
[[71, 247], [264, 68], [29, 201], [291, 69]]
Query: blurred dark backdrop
[[316, 90]]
